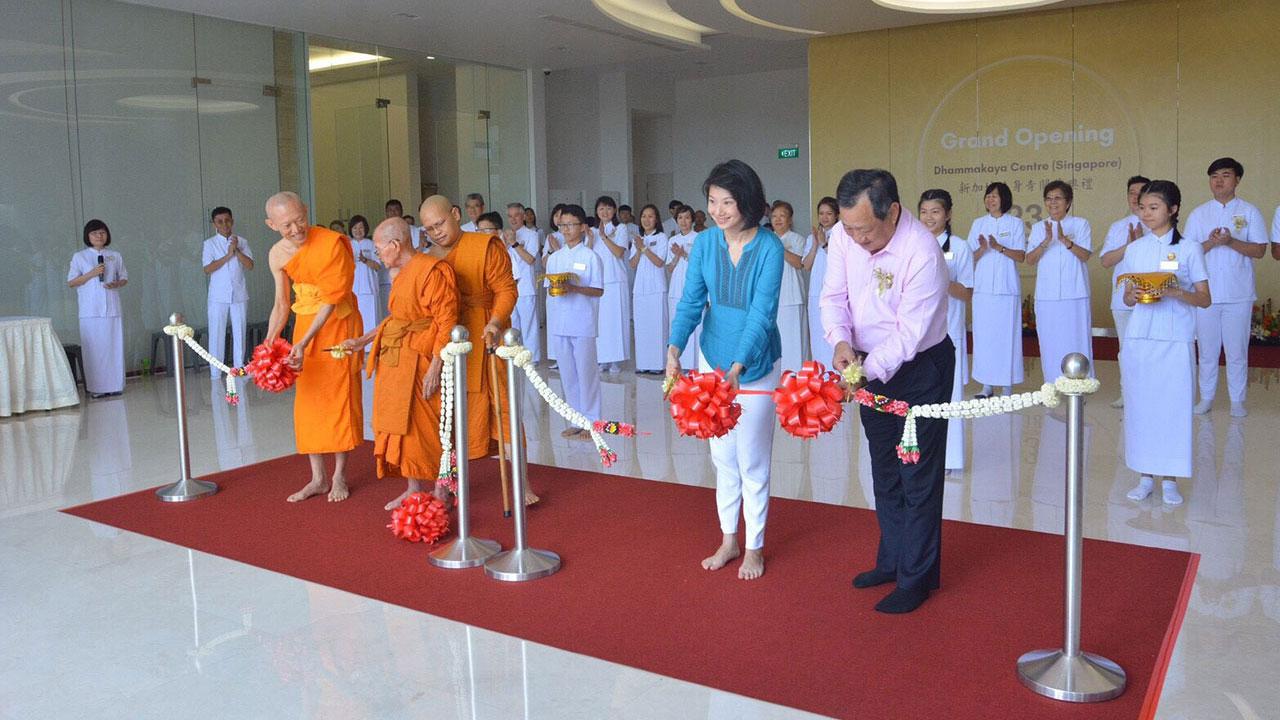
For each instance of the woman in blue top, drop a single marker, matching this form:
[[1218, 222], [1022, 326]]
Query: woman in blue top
[[735, 273]]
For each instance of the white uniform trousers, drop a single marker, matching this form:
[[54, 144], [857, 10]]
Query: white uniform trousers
[[367, 304], [102, 349], [218, 315], [525, 319], [792, 321], [579, 374], [652, 328], [742, 459], [688, 358], [1224, 327]]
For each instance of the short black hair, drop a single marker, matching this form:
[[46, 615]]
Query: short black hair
[[1062, 185], [351, 224], [1226, 163], [1137, 180], [492, 217], [220, 210], [92, 225], [395, 202], [743, 184], [674, 205], [559, 208], [474, 196], [791, 212], [878, 185], [408, 218], [606, 201], [574, 210], [622, 208], [657, 225], [684, 209], [1006, 195]]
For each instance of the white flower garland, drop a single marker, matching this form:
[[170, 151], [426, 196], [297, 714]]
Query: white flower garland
[[188, 336], [448, 394], [523, 359]]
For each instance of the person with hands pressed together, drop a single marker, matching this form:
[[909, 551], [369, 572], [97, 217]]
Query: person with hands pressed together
[[522, 245], [327, 413], [610, 241], [97, 274], [732, 286], [678, 269], [885, 298], [226, 258], [998, 241], [571, 328], [1060, 247], [1120, 236], [649, 296]]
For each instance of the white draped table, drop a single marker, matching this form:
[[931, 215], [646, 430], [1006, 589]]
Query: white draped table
[[34, 373]]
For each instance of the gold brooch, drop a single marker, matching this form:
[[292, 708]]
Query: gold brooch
[[884, 281], [1171, 256], [1241, 222]]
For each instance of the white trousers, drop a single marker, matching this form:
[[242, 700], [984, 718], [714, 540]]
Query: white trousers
[[1224, 327], [579, 374], [742, 459], [367, 305], [652, 328], [792, 321], [688, 358], [219, 312], [102, 348], [525, 319]]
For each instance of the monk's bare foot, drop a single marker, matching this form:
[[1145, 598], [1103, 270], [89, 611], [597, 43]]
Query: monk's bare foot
[[340, 491], [530, 498], [442, 494], [727, 552], [315, 487], [396, 503], [752, 565]]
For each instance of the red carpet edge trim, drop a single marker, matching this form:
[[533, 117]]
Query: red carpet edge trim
[[1161, 667]]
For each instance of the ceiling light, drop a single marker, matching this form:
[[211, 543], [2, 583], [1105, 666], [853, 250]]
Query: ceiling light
[[322, 58], [960, 6], [431, 57]]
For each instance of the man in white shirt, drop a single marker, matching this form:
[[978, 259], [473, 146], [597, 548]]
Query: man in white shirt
[[226, 257], [522, 246], [1121, 233], [1233, 235], [475, 208], [670, 226]]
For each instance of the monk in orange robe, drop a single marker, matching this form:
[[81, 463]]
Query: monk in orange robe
[[487, 295], [319, 264], [423, 308]]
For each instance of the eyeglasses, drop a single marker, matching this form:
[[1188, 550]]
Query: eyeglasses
[[562, 226]]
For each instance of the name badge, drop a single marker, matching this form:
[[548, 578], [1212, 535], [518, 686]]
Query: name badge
[[948, 255], [579, 266], [1169, 265], [1004, 233]]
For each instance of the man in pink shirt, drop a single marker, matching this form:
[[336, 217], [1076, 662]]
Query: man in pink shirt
[[884, 297]]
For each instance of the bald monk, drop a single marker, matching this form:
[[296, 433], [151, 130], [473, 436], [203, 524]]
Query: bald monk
[[422, 310], [487, 295], [320, 266]]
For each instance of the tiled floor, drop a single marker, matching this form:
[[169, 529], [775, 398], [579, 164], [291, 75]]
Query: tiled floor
[[107, 624]]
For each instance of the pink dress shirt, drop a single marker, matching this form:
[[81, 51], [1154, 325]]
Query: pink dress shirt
[[891, 305]]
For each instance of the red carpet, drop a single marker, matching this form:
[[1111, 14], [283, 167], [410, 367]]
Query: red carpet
[[631, 590]]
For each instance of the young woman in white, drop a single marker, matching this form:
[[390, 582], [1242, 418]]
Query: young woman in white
[[97, 274], [999, 242], [793, 320], [649, 297], [1157, 357], [815, 263], [677, 268], [1059, 248], [610, 241], [935, 212], [365, 282]]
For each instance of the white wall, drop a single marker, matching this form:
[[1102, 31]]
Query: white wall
[[573, 138]]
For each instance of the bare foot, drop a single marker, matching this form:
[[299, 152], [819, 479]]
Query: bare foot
[[396, 503], [530, 498], [442, 494], [340, 491], [315, 487], [752, 565], [727, 552]]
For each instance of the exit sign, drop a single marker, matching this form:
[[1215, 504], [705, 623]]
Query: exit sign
[[788, 153]]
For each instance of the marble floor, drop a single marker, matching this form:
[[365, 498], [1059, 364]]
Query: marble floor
[[108, 624]]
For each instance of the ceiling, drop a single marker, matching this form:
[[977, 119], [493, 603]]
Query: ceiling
[[561, 34]]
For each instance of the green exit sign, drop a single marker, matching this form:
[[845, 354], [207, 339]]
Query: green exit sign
[[788, 153]]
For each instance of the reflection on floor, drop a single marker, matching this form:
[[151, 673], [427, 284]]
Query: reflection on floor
[[115, 625]]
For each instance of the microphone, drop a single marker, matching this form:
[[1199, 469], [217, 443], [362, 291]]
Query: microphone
[[103, 276]]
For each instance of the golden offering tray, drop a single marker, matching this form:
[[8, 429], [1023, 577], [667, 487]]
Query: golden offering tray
[[1150, 286], [559, 282]]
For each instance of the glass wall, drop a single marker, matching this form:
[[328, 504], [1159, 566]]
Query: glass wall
[[146, 119]]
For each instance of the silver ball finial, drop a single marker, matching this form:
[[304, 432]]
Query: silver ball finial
[[1075, 366], [459, 334], [511, 337], [177, 319]]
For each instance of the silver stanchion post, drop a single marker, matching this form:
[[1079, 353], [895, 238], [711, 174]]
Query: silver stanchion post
[[520, 562], [186, 488], [463, 551], [1069, 673]]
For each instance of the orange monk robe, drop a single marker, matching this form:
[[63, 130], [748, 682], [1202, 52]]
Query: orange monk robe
[[327, 415], [486, 289], [423, 308]]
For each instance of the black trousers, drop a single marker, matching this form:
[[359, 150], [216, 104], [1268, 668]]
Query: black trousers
[[909, 497]]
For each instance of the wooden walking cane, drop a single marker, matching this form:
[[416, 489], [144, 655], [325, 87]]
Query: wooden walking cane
[[497, 417]]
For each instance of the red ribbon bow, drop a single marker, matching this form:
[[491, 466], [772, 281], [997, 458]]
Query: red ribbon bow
[[421, 517], [809, 401], [702, 405], [268, 368]]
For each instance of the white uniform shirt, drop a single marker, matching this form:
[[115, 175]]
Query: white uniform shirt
[[652, 279], [960, 267], [1230, 273], [226, 284], [1061, 275], [670, 227], [523, 272], [792, 291], [615, 268], [366, 278], [675, 285], [1118, 237], [996, 273], [574, 315], [469, 227], [418, 236], [1167, 319], [93, 297], [819, 269]]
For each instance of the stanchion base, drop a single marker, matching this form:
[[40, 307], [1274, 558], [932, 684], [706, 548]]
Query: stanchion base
[[1083, 678], [464, 553], [185, 490], [518, 565]]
